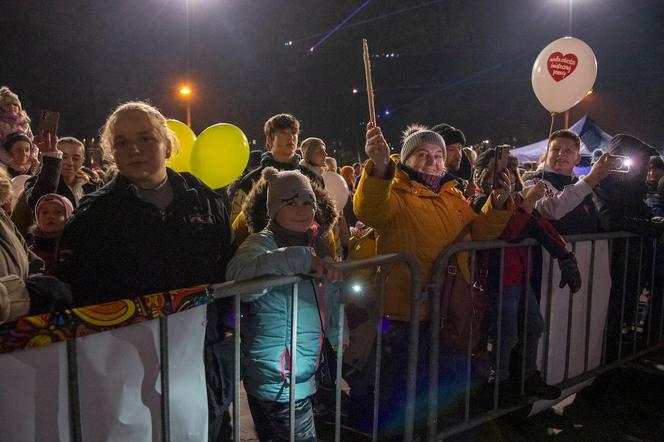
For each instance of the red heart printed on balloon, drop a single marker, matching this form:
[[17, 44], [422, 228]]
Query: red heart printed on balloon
[[561, 66]]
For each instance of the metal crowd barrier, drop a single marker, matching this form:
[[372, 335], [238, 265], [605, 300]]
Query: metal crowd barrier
[[173, 303], [238, 288], [650, 339], [645, 326]]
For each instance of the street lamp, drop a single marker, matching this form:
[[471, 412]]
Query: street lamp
[[185, 91]]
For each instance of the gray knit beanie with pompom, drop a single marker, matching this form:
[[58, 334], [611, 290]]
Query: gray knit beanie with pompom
[[415, 136], [286, 187]]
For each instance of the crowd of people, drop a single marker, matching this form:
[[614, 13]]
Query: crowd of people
[[74, 236]]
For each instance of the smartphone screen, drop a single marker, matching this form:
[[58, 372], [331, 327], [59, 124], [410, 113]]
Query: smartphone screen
[[48, 123], [619, 163], [500, 164]]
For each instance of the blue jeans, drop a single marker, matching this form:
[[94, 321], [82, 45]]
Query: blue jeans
[[512, 334]]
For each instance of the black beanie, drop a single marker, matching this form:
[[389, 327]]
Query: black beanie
[[656, 162], [450, 134]]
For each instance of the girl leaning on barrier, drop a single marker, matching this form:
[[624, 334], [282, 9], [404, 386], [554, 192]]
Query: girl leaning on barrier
[[291, 243], [415, 208], [149, 229]]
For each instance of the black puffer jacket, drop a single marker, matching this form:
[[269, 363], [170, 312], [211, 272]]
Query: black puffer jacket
[[118, 246]]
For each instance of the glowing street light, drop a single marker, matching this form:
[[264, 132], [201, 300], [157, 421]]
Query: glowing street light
[[185, 91]]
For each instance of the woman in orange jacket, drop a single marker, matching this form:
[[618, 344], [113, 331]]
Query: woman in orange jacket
[[415, 208]]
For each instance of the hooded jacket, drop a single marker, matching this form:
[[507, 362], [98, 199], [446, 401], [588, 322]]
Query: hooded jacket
[[248, 181], [410, 218], [266, 324]]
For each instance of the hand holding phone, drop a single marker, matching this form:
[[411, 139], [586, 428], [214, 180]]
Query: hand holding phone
[[48, 123], [499, 164], [619, 163]]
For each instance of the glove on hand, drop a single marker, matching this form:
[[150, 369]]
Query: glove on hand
[[47, 294], [569, 273], [658, 224]]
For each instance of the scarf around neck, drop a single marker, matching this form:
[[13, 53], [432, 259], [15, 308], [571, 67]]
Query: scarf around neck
[[285, 238], [432, 182]]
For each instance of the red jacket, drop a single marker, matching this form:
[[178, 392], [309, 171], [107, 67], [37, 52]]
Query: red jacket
[[520, 226]]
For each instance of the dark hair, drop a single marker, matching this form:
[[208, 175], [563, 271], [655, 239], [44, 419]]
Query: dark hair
[[15, 138], [656, 162], [568, 134], [279, 122]]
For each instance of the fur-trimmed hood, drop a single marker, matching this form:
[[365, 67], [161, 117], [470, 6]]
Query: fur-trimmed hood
[[255, 208]]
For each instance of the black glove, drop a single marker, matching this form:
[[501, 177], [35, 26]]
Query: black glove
[[47, 294], [658, 224], [569, 273]]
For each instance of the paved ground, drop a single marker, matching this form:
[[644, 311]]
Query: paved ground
[[625, 404]]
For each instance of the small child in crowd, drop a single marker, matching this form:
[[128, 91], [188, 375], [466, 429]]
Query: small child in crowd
[[14, 120], [52, 212], [291, 244]]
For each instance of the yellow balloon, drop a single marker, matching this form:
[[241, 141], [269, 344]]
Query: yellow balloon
[[181, 161], [219, 155]]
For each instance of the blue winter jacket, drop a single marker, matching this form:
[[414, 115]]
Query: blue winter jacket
[[266, 322]]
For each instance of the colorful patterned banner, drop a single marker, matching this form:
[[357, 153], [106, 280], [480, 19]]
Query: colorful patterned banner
[[46, 329]]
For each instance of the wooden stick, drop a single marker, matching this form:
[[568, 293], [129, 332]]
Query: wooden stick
[[367, 74]]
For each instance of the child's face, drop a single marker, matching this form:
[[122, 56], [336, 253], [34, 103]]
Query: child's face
[[11, 106], [51, 219], [139, 148], [296, 216], [20, 153]]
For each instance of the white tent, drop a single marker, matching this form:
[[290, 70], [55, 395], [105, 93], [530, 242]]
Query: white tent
[[592, 137]]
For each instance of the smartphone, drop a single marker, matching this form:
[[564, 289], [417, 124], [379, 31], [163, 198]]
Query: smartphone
[[48, 123], [619, 163], [499, 164]]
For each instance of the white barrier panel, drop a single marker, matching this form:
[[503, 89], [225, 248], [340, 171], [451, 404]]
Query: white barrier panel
[[560, 305], [34, 403], [119, 385]]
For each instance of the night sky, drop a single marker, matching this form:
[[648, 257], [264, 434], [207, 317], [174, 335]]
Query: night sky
[[463, 62]]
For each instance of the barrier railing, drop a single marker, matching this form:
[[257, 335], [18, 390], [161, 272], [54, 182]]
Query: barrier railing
[[594, 252], [71, 324], [238, 288], [591, 310]]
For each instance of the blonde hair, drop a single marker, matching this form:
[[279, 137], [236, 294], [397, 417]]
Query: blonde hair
[[6, 95], [6, 189], [71, 140], [107, 131]]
